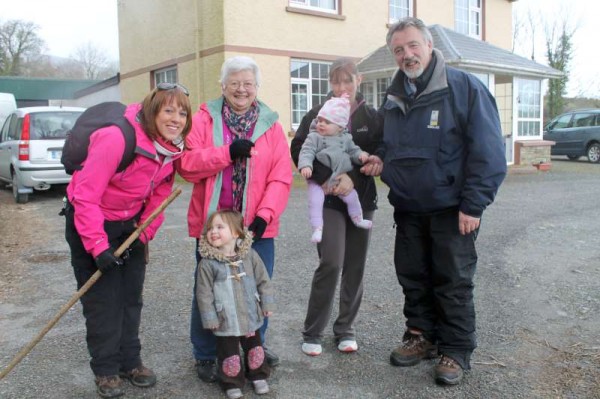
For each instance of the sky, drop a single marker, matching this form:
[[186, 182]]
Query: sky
[[584, 77], [67, 24]]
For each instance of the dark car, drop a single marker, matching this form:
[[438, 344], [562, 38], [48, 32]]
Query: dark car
[[576, 133]]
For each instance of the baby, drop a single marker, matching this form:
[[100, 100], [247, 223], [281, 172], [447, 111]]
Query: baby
[[330, 143]]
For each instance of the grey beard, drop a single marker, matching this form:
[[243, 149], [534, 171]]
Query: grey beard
[[414, 74]]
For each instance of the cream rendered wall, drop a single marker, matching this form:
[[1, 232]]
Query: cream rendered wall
[[498, 18], [440, 12], [499, 23], [151, 32], [274, 28], [274, 35]]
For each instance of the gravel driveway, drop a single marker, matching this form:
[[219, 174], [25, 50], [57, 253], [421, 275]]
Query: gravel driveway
[[537, 297]]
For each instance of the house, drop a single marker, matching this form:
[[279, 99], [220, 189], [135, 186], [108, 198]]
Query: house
[[295, 41]]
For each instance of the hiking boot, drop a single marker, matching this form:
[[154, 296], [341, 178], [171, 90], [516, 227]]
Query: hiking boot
[[414, 348], [140, 376], [207, 370], [448, 371], [272, 358], [110, 386]]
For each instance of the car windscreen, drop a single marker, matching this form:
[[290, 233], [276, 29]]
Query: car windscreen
[[51, 125]]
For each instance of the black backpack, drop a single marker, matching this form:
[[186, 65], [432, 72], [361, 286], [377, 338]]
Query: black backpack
[[98, 116]]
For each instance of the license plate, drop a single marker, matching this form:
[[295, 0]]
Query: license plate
[[54, 155]]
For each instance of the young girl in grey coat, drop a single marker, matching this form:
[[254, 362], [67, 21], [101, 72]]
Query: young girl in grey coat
[[234, 294]]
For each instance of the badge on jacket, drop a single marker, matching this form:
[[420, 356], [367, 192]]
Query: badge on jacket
[[434, 120]]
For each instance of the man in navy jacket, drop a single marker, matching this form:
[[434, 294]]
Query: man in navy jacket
[[443, 159]]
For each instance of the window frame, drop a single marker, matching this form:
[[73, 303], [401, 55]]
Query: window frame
[[527, 102], [168, 79], [409, 7], [306, 5], [474, 27], [308, 83]]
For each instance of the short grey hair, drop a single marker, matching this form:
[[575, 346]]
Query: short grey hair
[[238, 64], [407, 23]]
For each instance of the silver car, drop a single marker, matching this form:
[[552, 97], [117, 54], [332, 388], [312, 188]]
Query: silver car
[[31, 142]]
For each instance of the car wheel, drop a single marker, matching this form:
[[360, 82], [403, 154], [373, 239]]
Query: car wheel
[[593, 153], [573, 157], [19, 198]]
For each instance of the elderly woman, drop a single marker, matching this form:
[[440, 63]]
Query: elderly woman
[[237, 156]]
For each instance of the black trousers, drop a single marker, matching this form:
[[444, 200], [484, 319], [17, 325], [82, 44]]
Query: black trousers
[[232, 372], [113, 305], [435, 266]]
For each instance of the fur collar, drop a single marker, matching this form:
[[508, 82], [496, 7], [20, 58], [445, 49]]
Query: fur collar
[[243, 246]]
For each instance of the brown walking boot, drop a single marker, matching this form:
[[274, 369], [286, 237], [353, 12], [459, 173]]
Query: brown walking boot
[[110, 386], [414, 348], [140, 376], [448, 371]]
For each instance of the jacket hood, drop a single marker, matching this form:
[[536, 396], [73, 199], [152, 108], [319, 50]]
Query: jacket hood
[[243, 246]]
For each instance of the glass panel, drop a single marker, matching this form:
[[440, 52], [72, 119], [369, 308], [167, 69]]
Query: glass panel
[[367, 89], [299, 102], [399, 9], [299, 69], [583, 120], [51, 125]]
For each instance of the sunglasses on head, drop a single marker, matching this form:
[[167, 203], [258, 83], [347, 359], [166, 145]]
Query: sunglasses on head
[[171, 86]]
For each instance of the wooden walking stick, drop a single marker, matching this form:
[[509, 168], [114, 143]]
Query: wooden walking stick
[[88, 284]]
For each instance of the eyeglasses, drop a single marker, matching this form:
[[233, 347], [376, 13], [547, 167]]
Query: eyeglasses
[[171, 86], [246, 85]]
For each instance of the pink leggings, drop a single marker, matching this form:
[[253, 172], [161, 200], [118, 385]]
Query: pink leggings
[[316, 198]]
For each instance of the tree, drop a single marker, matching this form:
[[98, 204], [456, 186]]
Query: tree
[[92, 59], [19, 42], [559, 51]]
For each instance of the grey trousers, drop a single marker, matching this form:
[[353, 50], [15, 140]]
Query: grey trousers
[[343, 249]]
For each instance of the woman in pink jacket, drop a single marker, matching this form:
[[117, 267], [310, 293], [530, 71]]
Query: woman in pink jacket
[[104, 207], [237, 156]]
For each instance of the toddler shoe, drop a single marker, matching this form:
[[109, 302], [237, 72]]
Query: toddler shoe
[[362, 223], [234, 393], [317, 235], [312, 349], [260, 387]]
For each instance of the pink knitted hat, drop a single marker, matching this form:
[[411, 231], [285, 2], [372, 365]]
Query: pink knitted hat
[[336, 110]]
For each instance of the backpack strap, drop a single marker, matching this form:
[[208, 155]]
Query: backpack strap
[[130, 143]]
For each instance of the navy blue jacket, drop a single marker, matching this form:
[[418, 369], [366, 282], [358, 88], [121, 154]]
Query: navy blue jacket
[[444, 147]]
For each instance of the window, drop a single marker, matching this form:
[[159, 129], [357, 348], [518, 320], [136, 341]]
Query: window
[[400, 9], [374, 91], [528, 106], [168, 75], [583, 120], [467, 17], [561, 122], [310, 85], [330, 6]]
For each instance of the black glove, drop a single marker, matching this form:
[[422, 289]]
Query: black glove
[[258, 227], [240, 148], [107, 260]]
